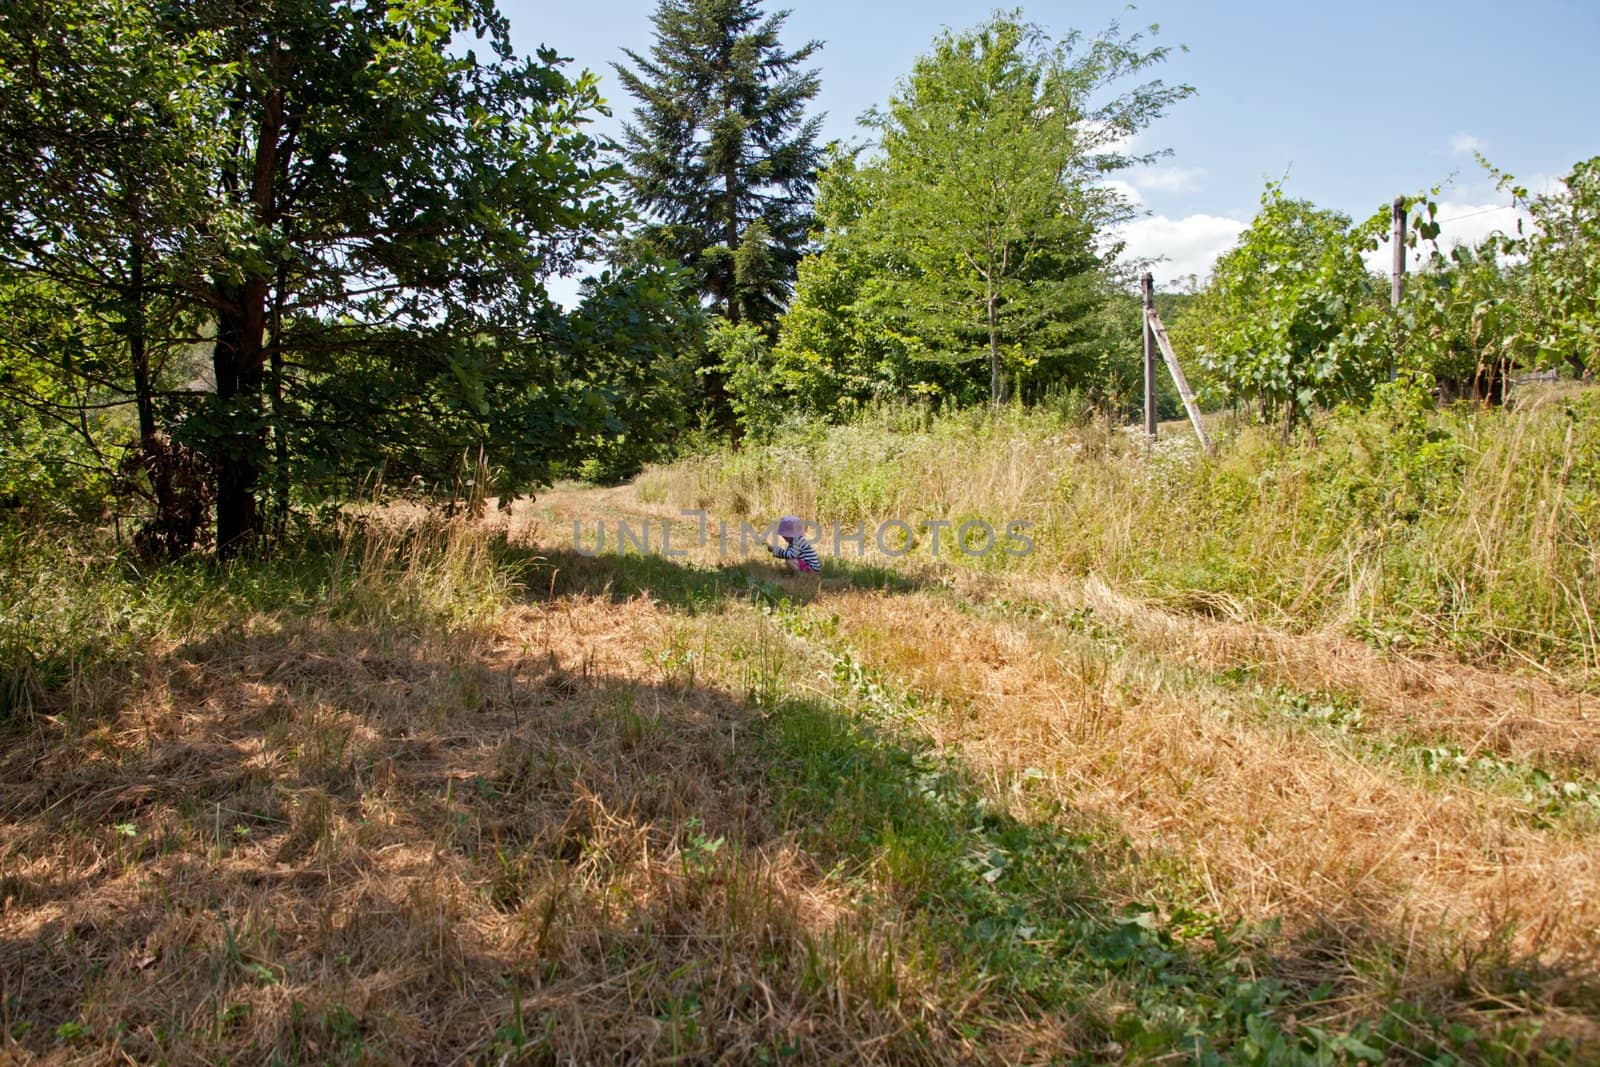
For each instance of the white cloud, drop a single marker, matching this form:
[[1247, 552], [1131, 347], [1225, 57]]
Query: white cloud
[[1460, 222], [1465, 144], [1190, 245], [1101, 138], [1168, 179], [1126, 189], [1465, 223]]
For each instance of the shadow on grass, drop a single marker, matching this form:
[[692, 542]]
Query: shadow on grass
[[627, 867], [322, 841], [692, 587]]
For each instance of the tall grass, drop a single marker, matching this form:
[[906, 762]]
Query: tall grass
[[77, 614], [1470, 530]]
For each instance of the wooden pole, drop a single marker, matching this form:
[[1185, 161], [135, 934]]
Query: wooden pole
[[1154, 326], [1397, 281], [1148, 284]]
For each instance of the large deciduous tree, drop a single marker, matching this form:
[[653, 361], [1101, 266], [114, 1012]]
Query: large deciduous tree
[[721, 156], [986, 198], [314, 187], [385, 178], [109, 135]]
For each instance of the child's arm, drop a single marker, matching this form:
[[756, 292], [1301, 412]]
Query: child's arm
[[801, 553]]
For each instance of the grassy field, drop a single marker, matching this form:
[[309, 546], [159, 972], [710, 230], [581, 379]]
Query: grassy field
[[1292, 756], [1463, 531]]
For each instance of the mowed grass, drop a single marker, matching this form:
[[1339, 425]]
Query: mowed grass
[[454, 792]]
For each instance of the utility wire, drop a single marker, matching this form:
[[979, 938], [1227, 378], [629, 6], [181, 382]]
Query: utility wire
[[1475, 214]]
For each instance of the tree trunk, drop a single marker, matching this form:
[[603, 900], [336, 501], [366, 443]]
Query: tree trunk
[[276, 416], [238, 357], [730, 235], [994, 350], [168, 531], [240, 446]]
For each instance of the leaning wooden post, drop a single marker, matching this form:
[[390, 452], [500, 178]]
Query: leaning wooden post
[[1148, 284], [1397, 280], [1158, 330]]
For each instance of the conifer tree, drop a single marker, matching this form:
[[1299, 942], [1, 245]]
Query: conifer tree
[[721, 156]]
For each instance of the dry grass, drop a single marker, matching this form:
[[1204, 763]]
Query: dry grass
[[1281, 823], [540, 835], [459, 794], [1427, 699], [1386, 877]]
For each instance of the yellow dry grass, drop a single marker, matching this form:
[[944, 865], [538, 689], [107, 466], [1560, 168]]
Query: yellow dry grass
[[1279, 822], [1523, 717], [540, 826], [330, 843], [1402, 880]]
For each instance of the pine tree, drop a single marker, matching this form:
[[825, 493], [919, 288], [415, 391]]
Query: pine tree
[[721, 156]]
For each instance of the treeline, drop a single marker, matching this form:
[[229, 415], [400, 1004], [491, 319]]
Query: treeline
[[261, 257], [1291, 319], [257, 255]]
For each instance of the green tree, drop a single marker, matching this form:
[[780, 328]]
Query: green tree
[[1463, 320], [603, 385], [721, 156], [51, 423], [836, 351], [1268, 324], [386, 177], [371, 192], [632, 346], [986, 196], [757, 394], [1563, 255], [108, 135]]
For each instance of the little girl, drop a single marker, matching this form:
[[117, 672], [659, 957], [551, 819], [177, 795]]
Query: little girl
[[800, 553]]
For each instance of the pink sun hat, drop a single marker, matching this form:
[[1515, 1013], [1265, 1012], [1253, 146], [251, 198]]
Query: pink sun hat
[[790, 526]]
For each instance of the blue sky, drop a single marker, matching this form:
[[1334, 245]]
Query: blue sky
[[1356, 101]]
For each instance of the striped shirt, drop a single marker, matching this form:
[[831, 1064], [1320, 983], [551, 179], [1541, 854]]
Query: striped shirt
[[801, 552]]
